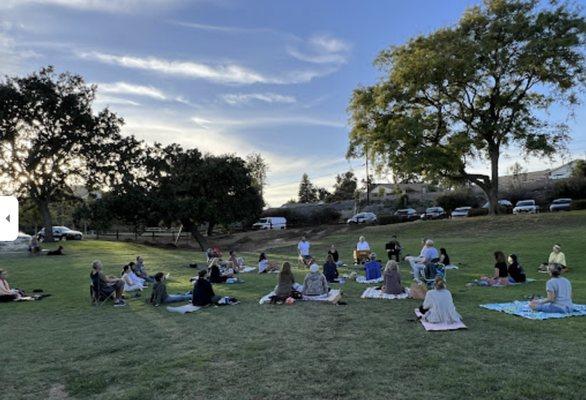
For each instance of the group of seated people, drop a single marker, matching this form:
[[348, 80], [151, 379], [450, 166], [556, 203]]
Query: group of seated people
[[507, 271], [429, 263], [315, 283]]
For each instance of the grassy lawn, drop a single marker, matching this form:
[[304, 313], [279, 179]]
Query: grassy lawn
[[62, 348]]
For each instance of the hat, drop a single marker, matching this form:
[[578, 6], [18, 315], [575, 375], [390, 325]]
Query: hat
[[314, 268]]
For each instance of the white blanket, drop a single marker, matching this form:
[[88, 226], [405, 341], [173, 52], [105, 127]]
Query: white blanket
[[450, 266], [248, 269], [362, 279], [430, 327], [188, 308], [373, 293], [333, 296]]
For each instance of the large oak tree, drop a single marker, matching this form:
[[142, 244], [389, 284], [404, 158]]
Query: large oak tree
[[468, 92]]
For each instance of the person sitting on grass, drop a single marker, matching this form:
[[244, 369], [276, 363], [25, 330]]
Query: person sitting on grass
[[516, 272], [58, 252], [141, 272], [159, 295], [33, 246], [105, 286], [6, 292], [315, 283], [135, 279], [216, 275], [335, 256], [330, 269], [285, 282], [501, 272], [559, 294], [130, 285], [428, 255], [392, 279], [203, 292], [556, 257], [238, 263], [265, 266], [372, 268], [444, 258], [438, 305]]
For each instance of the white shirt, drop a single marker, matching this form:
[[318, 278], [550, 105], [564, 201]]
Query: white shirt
[[362, 246], [263, 265], [303, 248]]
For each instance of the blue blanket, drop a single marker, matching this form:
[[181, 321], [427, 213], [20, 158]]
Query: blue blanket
[[522, 309]]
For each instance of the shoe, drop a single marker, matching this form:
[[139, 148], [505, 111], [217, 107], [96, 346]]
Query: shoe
[[120, 303]]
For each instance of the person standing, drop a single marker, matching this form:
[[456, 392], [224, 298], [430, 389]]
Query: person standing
[[303, 249]]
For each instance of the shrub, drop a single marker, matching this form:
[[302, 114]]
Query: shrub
[[579, 204], [388, 219], [574, 188], [477, 212], [451, 201]]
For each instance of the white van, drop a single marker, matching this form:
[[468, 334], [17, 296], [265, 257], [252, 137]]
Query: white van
[[270, 223]]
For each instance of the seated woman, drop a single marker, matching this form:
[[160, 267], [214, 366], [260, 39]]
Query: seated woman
[[140, 270], [6, 292], [203, 292], [159, 295], [331, 269], [392, 279], [216, 275], [105, 286], [438, 305], [556, 257], [315, 283], [285, 283], [130, 285], [264, 266], [238, 262], [58, 252], [501, 272], [372, 268], [444, 258], [335, 256], [516, 272], [134, 277], [559, 294]]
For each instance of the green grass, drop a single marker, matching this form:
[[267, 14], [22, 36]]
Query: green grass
[[63, 348]]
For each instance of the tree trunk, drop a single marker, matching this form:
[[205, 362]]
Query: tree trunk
[[493, 195], [211, 226], [199, 238], [47, 219]]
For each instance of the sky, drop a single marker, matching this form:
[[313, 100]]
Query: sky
[[235, 76]]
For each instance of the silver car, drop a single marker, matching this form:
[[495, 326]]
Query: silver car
[[461, 212]]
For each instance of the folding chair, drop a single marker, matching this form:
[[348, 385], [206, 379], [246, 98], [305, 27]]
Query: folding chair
[[96, 297]]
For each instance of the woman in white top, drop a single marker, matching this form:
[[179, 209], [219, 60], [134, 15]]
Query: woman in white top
[[438, 305], [129, 284], [265, 266], [362, 244]]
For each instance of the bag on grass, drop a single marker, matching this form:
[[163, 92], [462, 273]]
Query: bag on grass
[[418, 291]]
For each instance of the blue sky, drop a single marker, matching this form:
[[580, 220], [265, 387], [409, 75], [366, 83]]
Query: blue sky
[[232, 76]]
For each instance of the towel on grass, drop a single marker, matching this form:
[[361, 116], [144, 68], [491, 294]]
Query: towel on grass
[[188, 308], [374, 293], [522, 309], [333, 297], [450, 266], [362, 279], [439, 327], [247, 269]]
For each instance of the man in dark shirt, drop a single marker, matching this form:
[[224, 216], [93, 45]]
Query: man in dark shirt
[[203, 292], [393, 248]]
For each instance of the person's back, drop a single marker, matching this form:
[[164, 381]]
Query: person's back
[[215, 275], [441, 307], [285, 284], [392, 282], [516, 272], [315, 283], [159, 293], [203, 293], [330, 271], [372, 270], [563, 292], [429, 254]]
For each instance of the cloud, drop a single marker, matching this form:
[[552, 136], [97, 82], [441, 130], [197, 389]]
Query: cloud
[[110, 6], [283, 120], [105, 101], [132, 89], [245, 98], [321, 49], [219, 73], [225, 29]]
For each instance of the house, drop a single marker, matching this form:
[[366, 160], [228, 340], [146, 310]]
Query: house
[[563, 172], [386, 191], [537, 177]]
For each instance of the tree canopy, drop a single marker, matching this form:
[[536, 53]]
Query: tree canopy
[[466, 93], [307, 191]]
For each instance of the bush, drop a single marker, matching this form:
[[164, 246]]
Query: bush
[[574, 188], [388, 219], [579, 204], [477, 212], [451, 201]]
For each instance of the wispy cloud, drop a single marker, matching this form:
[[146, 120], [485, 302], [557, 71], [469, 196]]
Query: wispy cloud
[[246, 98], [129, 88], [283, 120], [218, 73], [321, 49], [226, 29], [104, 101]]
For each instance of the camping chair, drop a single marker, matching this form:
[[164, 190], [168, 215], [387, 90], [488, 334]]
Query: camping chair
[[360, 256], [97, 297], [432, 271]]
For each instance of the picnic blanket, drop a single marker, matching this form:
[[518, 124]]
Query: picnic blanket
[[247, 269], [374, 293], [439, 327], [188, 308], [475, 283], [333, 296], [362, 279], [522, 309], [450, 266]]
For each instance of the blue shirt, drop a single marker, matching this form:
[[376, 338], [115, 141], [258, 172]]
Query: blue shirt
[[429, 253], [372, 269], [563, 292]]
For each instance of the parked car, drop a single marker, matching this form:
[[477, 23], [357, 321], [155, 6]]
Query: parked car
[[62, 232], [526, 207], [270, 223], [407, 214], [561, 205], [434, 213], [501, 203], [363, 218], [461, 212]]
